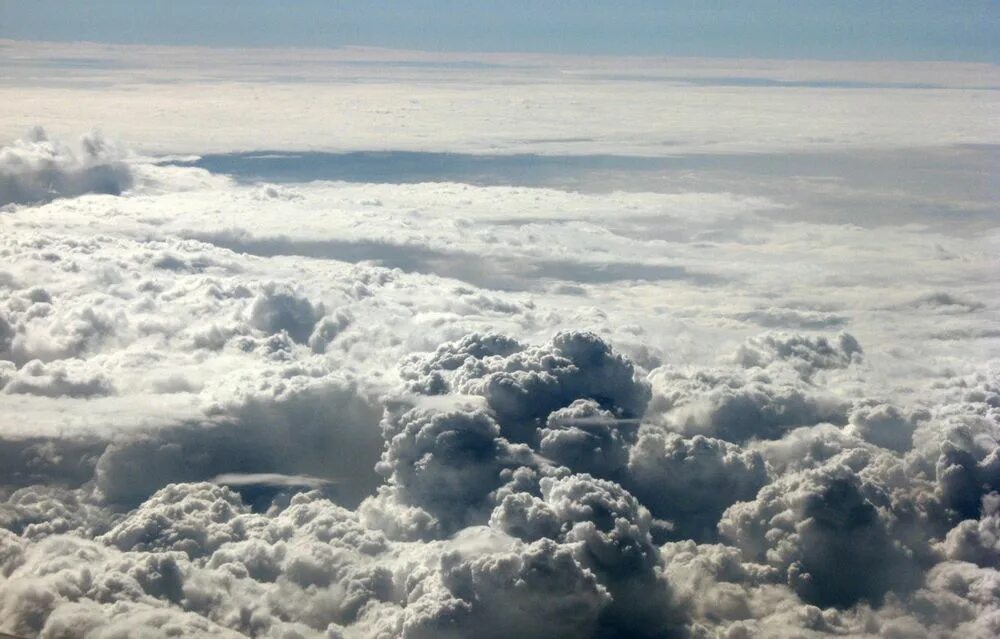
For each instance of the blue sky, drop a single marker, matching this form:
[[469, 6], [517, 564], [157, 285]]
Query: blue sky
[[830, 29]]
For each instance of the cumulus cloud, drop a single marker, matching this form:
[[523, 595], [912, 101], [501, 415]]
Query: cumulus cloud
[[277, 309], [446, 463], [806, 354], [824, 531], [885, 425], [692, 481], [588, 439], [740, 406], [444, 410], [37, 169], [292, 423], [523, 385], [977, 541], [537, 490], [555, 478], [63, 378]]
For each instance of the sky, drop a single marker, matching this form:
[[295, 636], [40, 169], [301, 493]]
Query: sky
[[848, 29]]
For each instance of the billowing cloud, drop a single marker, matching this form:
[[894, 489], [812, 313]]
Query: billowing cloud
[[805, 354], [524, 385], [291, 423], [37, 169], [824, 531], [444, 410], [691, 481], [977, 541], [740, 406]]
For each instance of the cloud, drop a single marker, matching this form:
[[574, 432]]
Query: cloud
[[884, 425], [278, 309], [740, 406], [789, 318], [296, 424], [63, 378], [977, 541], [944, 302], [37, 169], [446, 463], [692, 481], [438, 409], [806, 354], [501, 273], [562, 534], [581, 114], [588, 439], [542, 582], [523, 385], [194, 519], [824, 531]]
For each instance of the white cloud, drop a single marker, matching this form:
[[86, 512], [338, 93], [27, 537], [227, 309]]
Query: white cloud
[[440, 409], [38, 169], [248, 100]]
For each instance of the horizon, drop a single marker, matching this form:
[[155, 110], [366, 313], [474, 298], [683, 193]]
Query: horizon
[[930, 30]]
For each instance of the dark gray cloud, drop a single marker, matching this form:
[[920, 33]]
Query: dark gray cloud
[[588, 439], [885, 425], [690, 482], [977, 540], [447, 463]]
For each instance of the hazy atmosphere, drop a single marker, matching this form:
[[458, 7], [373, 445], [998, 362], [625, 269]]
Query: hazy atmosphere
[[641, 320]]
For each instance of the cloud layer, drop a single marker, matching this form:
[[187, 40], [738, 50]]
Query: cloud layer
[[443, 410]]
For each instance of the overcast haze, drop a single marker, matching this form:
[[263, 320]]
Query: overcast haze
[[444, 320]]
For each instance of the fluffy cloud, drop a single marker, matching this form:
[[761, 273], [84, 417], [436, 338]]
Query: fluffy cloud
[[278, 309], [977, 541], [291, 422], [446, 463], [554, 595], [884, 425], [825, 532], [588, 439], [692, 481], [806, 354], [63, 378], [441, 410], [195, 519], [524, 385], [38, 169], [740, 406]]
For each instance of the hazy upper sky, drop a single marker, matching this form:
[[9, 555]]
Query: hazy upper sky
[[846, 29]]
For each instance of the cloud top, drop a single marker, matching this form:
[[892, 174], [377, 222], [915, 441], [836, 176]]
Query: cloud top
[[315, 439], [37, 169]]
